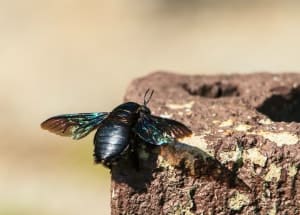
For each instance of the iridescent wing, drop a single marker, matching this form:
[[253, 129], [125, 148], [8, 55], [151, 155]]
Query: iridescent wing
[[158, 131], [76, 125]]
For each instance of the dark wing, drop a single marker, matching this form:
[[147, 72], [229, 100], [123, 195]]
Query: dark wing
[[158, 131], [75, 125]]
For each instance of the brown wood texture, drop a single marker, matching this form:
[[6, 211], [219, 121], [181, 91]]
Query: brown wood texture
[[243, 156]]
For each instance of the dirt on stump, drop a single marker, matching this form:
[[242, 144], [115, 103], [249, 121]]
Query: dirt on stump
[[243, 156]]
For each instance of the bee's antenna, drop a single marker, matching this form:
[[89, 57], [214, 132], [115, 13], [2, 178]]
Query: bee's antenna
[[146, 100]]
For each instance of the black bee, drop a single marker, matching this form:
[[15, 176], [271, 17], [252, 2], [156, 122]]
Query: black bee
[[118, 130]]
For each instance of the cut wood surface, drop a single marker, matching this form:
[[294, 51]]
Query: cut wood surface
[[243, 156]]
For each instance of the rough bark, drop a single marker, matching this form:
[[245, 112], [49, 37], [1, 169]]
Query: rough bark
[[243, 157]]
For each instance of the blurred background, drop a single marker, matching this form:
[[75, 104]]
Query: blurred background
[[63, 56]]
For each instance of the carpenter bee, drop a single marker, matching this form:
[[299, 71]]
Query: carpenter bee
[[119, 130]]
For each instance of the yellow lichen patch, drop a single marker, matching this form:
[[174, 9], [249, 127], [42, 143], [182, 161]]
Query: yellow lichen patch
[[198, 142], [226, 123], [113, 193], [227, 132], [180, 113], [166, 115], [255, 157], [231, 155], [161, 162], [292, 171], [265, 121], [188, 112], [273, 210], [238, 201], [206, 132], [180, 209], [215, 121], [280, 139], [274, 172], [242, 127], [188, 105], [183, 211]]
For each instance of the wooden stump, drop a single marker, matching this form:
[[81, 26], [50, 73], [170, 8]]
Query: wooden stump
[[243, 157]]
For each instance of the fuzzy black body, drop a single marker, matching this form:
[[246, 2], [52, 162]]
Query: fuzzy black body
[[115, 132]]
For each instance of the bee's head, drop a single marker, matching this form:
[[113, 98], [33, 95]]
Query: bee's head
[[144, 109]]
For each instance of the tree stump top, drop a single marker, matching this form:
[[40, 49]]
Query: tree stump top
[[243, 156]]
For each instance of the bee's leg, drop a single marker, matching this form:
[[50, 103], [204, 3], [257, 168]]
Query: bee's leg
[[134, 156]]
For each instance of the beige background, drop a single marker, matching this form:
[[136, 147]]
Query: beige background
[[63, 56]]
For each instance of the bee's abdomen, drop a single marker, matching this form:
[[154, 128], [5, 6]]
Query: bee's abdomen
[[110, 141]]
